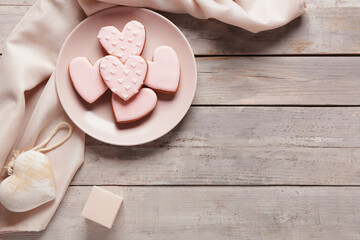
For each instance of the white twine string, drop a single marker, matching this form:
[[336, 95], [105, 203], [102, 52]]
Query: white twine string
[[41, 147]]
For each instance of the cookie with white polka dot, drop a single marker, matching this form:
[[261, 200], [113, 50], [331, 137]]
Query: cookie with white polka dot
[[124, 79], [130, 41]]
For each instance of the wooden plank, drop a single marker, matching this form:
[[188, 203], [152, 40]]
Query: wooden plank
[[201, 213], [320, 31], [278, 81], [17, 2], [330, 28], [9, 17], [237, 146], [332, 3]]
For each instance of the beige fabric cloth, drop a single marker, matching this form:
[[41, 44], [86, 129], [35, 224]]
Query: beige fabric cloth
[[29, 107], [252, 15]]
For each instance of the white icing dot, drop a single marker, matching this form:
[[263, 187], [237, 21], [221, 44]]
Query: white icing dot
[[126, 71], [136, 91], [125, 96], [120, 80], [107, 78], [123, 47], [113, 32], [107, 57], [113, 72], [107, 38], [138, 44], [102, 66], [128, 27], [138, 72], [114, 63], [113, 90], [114, 43], [127, 87], [99, 37], [121, 38], [142, 61], [130, 40], [134, 80], [133, 64], [111, 51], [120, 55], [134, 52], [141, 26], [135, 33]]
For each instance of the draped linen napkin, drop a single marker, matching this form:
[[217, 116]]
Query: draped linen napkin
[[30, 108]]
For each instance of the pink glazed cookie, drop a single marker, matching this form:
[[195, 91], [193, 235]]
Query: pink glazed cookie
[[164, 71], [130, 41], [142, 104], [86, 79], [125, 80]]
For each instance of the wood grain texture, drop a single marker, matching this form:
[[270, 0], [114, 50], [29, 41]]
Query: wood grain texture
[[332, 3], [213, 176], [328, 28], [237, 146], [213, 213], [9, 17], [278, 81], [17, 2], [319, 31]]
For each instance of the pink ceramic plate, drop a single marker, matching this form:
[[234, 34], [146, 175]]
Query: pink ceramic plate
[[96, 119]]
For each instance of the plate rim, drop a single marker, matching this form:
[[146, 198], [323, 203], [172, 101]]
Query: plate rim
[[107, 140]]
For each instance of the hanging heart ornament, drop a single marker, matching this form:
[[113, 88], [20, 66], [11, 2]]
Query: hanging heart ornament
[[31, 182]]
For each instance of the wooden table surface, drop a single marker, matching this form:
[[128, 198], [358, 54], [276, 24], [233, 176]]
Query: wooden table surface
[[270, 148]]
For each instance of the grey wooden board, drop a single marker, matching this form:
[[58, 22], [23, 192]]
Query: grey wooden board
[[213, 213], [326, 28], [227, 159], [17, 2], [278, 81], [9, 17], [236, 146]]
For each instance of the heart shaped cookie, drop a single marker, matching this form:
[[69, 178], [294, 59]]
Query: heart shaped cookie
[[30, 185], [125, 80], [164, 71], [130, 41], [135, 109], [86, 79]]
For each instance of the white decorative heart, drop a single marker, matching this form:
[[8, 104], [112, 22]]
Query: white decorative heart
[[130, 41], [164, 71], [125, 80], [86, 79], [31, 184]]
